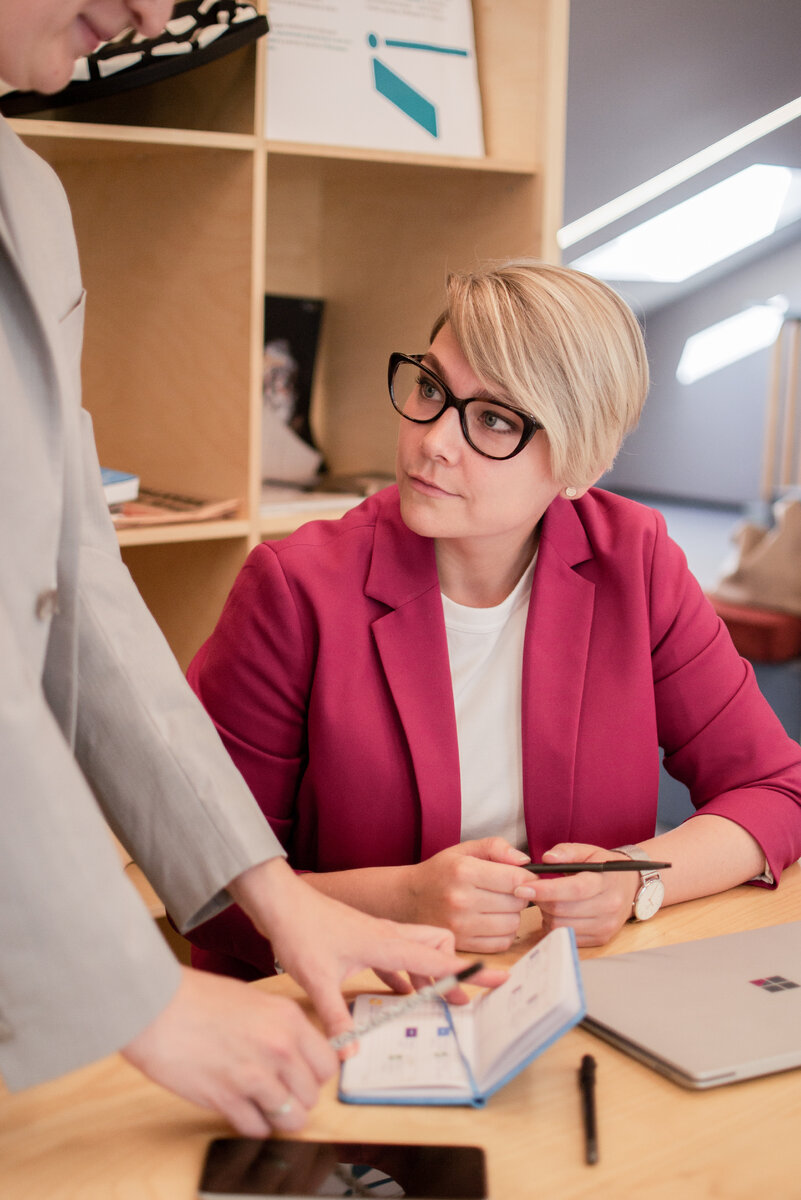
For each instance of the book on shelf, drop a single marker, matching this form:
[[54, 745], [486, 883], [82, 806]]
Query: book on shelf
[[328, 492], [362, 483], [168, 508], [119, 486], [462, 1054], [282, 498], [291, 335], [391, 76]]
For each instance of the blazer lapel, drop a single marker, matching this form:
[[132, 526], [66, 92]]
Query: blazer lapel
[[413, 648], [554, 667]]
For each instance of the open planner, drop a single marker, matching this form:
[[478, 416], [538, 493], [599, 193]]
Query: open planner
[[461, 1054]]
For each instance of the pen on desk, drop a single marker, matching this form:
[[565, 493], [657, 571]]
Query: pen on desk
[[388, 1012], [587, 1085], [611, 864]]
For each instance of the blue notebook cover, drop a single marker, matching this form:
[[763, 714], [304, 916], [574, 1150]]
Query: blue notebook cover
[[462, 1054]]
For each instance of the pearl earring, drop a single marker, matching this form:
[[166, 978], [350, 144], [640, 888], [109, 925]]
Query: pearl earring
[[570, 492]]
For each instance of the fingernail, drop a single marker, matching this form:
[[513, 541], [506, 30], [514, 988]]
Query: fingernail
[[520, 856], [525, 893]]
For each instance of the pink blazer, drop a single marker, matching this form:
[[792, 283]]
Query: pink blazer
[[328, 679]]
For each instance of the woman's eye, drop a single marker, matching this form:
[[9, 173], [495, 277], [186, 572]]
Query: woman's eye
[[496, 422], [427, 388]]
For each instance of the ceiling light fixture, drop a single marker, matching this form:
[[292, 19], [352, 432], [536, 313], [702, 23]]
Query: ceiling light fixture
[[709, 227], [600, 217], [729, 340]]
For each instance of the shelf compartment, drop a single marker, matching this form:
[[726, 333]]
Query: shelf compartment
[[165, 236]]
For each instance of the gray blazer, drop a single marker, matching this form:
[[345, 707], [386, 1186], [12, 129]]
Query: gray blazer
[[94, 711]]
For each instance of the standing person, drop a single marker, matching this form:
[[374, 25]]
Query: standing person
[[95, 715], [481, 663]]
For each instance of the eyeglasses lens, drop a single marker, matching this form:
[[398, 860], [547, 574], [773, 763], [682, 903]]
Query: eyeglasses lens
[[491, 428]]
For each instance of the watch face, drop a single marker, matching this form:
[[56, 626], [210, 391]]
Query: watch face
[[649, 900]]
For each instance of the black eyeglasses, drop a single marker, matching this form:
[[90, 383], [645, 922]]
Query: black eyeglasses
[[491, 427]]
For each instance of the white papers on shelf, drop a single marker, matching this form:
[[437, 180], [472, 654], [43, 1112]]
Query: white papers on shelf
[[375, 74]]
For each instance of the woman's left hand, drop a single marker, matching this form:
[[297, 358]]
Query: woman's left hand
[[595, 904]]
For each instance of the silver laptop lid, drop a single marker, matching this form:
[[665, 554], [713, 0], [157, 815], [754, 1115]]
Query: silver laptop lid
[[707, 1012]]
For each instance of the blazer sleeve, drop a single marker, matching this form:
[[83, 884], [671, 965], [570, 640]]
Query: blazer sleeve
[[162, 777], [720, 736], [83, 968]]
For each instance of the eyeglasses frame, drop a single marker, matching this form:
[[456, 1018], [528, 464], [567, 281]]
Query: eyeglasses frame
[[530, 424]]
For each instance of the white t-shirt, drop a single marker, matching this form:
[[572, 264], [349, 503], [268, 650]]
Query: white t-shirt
[[485, 648]]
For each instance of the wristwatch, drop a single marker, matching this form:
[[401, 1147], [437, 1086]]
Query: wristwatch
[[651, 892]]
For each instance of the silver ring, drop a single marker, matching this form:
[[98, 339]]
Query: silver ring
[[282, 1111]]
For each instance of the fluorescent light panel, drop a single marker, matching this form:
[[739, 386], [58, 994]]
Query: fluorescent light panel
[[622, 205], [728, 341], [701, 231]]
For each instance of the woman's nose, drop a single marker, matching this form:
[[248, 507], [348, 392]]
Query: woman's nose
[[443, 438]]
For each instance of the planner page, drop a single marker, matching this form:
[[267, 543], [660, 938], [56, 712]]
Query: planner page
[[541, 994], [415, 1052]]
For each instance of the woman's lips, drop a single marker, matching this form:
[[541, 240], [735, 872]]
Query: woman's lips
[[426, 488]]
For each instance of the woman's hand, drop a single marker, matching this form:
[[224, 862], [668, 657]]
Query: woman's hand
[[470, 889], [596, 905]]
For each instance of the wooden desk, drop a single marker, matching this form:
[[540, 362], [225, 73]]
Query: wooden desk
[[106, 1133]]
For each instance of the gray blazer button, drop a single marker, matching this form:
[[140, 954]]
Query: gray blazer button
[[47, 604]]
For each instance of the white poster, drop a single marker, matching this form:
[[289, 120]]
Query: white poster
[[374, 74]]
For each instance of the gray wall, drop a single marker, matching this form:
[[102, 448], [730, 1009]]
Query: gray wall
[[704, 440], [651, 82]]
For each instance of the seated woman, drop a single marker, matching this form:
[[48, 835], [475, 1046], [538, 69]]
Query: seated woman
[[481, 663]]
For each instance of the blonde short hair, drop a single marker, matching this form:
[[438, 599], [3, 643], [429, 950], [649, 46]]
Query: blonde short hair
[[559, 344]]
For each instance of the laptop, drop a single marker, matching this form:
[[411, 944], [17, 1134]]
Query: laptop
[[703, 1013]]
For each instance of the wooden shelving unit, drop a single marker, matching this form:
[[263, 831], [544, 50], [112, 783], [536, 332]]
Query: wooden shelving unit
[[185, 215]]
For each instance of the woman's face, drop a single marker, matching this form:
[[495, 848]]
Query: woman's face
[[448, 490], [41, 39]]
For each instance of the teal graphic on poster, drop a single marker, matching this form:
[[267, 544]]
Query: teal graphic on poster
[[405, 82]]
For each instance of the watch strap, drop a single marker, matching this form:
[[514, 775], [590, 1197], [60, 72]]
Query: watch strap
[[637, 854]]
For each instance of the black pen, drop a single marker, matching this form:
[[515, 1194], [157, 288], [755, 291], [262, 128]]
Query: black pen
[[390, 1011], [611, 864], [587, 1085]]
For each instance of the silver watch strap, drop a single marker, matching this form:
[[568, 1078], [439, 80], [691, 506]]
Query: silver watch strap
[[638, 855]]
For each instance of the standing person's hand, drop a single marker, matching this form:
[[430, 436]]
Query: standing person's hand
[[321, 941], [224, 1045]]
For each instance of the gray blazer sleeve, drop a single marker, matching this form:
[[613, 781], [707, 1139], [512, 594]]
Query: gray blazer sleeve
[[161, 774], [82, 966]]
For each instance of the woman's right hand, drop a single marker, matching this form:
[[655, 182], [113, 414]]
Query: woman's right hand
[[469, 889]]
